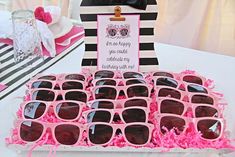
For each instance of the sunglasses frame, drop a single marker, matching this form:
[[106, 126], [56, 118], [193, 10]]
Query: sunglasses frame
[[118, 74], [124, 81], [52, 127], [174, 75], [180, 76], [60, 76], [54, 104], [119, 111], [184, 94], [187, 105], [120, 103], [122, 127], [179, 84], [57, 93], [55, 83], [121, 88], [188, 121], [118, 31]]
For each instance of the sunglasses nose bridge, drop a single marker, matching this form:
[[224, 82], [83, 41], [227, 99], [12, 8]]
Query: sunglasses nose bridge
[[59, 96], [182, 86], [185, 98], [121, 94], [120, 83], [119, 105], [48, 130], [50, 109], [116, 116], [119, 75], [57, 86]]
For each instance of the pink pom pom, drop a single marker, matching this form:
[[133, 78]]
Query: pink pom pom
[[41, 15], [47, 18]]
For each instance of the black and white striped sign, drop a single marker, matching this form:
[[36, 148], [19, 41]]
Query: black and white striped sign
[[13, 75], [89, 11]]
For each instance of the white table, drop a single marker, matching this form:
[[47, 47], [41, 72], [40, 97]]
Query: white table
[[217, 67]]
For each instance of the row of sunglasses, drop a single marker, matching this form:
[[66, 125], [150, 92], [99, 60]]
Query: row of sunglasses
[[108, 86], [100, 123], [102, 133]]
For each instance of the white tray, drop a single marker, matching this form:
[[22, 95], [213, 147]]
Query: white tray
[[97, 151]]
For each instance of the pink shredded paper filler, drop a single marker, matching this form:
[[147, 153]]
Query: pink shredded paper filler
[[190, 139]]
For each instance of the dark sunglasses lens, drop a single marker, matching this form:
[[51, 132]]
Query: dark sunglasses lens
[[75, 77], [102, 104], [99, 116], [68, 110], [136, 102], [124, 32], [167, 92], [67, 134], [137, 134], [105, 93], [100, 133], [163, 74], [167, 82], [171, 106], [34, 110], [49, 77], [135, 91], [72, 85], [210, 129], [44, 95], [112, 32], [202, 99], [206, 111], [196, 89], [106, 82], [135, 81], [41, 84], [31, 131], [76, 95], [171, 122], [128, 75], [104, 74], [193, 79], [134, 115]]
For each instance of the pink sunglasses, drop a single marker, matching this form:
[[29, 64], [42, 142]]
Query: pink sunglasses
[[65, 133], [135, 134], [210, 128], [68, 133], [175, 106], [45, 94], [56, 77], [59, 84], [116, 74], [188, 87], [120, 103], [196, 98], [112, 92], [115, 82], [66, 110], [113, 31], [127, 115], [190, 78]]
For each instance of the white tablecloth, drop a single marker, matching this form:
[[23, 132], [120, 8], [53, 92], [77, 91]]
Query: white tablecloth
[[219, 68]]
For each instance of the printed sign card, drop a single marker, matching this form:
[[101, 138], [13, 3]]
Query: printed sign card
[[118, 43]]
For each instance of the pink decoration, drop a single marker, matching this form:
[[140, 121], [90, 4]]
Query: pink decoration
[[2, 87], [41, 15]]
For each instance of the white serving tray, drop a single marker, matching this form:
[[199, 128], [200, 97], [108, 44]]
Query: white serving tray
[[112, 151]]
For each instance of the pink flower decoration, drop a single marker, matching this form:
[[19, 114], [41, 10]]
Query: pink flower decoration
[[41, 15]]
